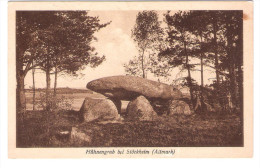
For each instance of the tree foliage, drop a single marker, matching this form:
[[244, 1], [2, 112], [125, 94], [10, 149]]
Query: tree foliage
[[148, 35], [215, 38], [54, 39]]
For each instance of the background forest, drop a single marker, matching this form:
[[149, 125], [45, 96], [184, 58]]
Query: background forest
[[191, 41]]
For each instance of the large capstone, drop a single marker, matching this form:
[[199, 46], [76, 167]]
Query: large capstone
[[98, 109], [130, 87], [140, 109]]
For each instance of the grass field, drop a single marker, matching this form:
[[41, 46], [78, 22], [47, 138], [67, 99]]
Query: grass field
[[209, 130]]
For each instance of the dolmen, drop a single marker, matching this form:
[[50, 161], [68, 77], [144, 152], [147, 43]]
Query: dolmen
[[144, 96]]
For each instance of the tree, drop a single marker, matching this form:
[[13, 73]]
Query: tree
[[67, 46], [47, 34], [180, 45], [80, 29], [147, 34], [233, 61], [214, 19], [198, 26], [215, 39], [26, 25]]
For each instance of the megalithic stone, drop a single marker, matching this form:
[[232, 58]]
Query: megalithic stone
[[130, 87], [118, 104]]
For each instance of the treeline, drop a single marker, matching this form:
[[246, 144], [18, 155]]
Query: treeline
[[193, 41], [55, 42]]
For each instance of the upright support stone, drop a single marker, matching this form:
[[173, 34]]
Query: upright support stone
[[98, 109], [140, 109], [118, 104]]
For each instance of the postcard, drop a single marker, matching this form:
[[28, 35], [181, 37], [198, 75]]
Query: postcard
[[130, 79]]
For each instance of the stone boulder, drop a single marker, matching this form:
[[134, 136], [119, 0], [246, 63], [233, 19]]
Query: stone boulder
[[179, 107], [140, 109], [98, 109], [130, 87]]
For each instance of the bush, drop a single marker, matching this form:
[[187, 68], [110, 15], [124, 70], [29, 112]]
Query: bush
[[56, 103]]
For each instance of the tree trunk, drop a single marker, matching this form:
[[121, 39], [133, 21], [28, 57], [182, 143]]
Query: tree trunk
[[231, 69], [55, 82], [143, 70], [216, 51], [202, 79], [20, 109], [48, 87], [216, 61], [20, 93], [233, 83], [189, 81], [240, 86], [190, 85], [20, 75], [240, 63], [202, 83], [33, 87], [20, 100], [48, 101]]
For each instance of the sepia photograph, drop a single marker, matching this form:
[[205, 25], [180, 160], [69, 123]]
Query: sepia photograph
[[139, 78]]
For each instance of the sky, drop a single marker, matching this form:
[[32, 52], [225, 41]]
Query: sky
[[115, 42]]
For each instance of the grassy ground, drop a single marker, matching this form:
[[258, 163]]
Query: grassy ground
[[212, 130], [209, 130]]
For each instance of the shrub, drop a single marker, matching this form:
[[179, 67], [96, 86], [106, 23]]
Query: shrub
[[56, 103]]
